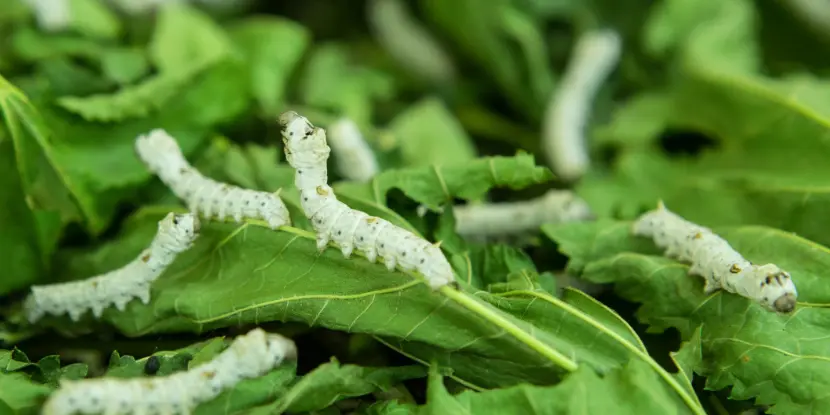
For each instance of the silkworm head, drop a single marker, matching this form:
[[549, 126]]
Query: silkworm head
[[287, 117], [186, 225], [154, 144], [282, 346], [778, 292], [785, 303], [294, 126]]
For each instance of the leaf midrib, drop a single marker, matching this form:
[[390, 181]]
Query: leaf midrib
[[690, 401], [465, 300]]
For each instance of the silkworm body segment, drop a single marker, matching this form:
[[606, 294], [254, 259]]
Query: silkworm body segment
[[176, 233], [307, 151], [374, 237], [714, 259], [162, 155], [353, 157], [249, 356], [499, 219]]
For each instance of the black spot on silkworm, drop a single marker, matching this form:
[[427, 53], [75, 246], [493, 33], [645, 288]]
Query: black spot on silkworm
[[403, 254], [152, 366], [381, 245], [768, 280], [778, 279], [339, 233], [361, 238], [423, 260], [175, 220]]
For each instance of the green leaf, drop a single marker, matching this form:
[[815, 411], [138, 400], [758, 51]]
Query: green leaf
[[429, 134], [125, 65], [391, 408], [767, 166], [97, 162], [133, 101], [47, 190], [19, 239], [523, 28], [270, 67], [633, 389], [688, 357], [759, 353], [186, 38], [94, 19], [24, 385], [19, 394], [330, 81], [30, 45], [488, 264], [718, 34], [435, 186], [250, 274], [13, 360], [51, 371], [601, 327], [484, 34], [331, 382], [64, 77]]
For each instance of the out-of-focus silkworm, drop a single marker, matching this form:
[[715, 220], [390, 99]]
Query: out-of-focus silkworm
[[407, 41], [563, 137], [488, 220], [353, 157]]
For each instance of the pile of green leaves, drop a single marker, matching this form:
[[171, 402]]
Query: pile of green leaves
[[718, 108]]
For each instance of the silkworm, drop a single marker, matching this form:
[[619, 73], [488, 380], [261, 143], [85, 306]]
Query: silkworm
[[714, 259], [515, 218], [408, 41], [51, 15], [249, 356], [176, 233], [350, 229], [594, 57], [162, 155], [353, 157]]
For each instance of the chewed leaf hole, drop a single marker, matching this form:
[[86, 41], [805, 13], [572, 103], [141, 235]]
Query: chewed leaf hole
[[685, 142]]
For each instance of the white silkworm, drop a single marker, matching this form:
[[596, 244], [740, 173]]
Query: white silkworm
[[408, 41], [714, 259], [176, 233], [815, 12], [500, 219], [593, 59], [163, 156], [306, 150], [353, 157], [249, 356], [52, 15]]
